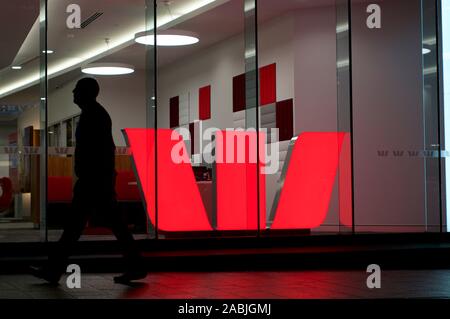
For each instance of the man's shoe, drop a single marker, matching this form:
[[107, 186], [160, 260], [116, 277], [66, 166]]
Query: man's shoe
[[44, 273], [129, 276]]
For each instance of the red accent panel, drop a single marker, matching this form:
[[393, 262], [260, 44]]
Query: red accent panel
[[126, 187], [268, 84], [236, 173], [239, 93], [142, 146], [59, 189], [285, 119], [309, 180], [175, 111], [204, 103], [180, 205]]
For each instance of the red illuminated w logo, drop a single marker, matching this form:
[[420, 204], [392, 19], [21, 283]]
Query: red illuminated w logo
[[303, 201]]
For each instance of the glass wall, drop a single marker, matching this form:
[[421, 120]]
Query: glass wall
[[95, 39], [207, 97], [247, 67], [304, 89], [432, 118], [395, 117], [444, 78], [22, 111], [230, 117]]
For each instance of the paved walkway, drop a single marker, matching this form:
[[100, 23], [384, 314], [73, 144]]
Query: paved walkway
[[239, 285]]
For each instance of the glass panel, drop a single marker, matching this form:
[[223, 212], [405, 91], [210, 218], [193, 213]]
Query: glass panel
[[69, 133], [207, 88], [22, 114], [395, 117], [54, 135], [431, 116], [304, 90], [344, 116], [95, 39], [255, 177], [445, 98], [152, 109]]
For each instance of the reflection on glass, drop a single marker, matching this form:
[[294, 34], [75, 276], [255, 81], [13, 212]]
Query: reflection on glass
[[433, 207], [304, 98], [445, 19], [69, 133], [396, 170], [20, 123], [259, 108], [205, 93], [104, 39]]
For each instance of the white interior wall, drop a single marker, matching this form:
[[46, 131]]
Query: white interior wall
[[315, 81], [60, 103], [388, 115], [315, 70], [30, 117], [122, 96], [217, 65]]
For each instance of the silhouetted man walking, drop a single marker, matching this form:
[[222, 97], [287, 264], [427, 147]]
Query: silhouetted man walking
[[94, 192]]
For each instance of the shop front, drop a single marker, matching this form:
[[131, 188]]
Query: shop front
[[253, 118]]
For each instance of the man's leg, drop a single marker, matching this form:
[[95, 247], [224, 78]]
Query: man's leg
[[73, 228], [134, 261]]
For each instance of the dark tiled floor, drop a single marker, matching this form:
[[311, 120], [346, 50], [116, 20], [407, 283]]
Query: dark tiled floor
[[240, 285]]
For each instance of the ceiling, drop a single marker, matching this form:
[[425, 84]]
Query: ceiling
[[120, 20], [212, 20], [17, 17]]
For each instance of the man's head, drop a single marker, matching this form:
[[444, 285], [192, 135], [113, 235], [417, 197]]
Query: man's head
[[85, 92]]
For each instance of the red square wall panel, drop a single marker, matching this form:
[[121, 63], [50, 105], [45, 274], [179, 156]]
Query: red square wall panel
[[285, 119], [174, 111], [204, 103], [239, 93], [268, 84]]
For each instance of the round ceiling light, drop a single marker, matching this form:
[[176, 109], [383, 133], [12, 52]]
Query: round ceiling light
[[167, 38], [107, 69]]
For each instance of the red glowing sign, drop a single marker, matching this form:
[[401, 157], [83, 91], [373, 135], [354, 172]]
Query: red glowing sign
[[303, 201], [236, 182], [306, 193]]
